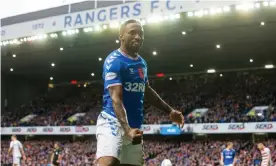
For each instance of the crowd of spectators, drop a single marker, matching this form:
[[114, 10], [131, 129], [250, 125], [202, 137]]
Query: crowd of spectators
[[228, 99], [207, 153], [39, 152], [196, 153], [56, 107]]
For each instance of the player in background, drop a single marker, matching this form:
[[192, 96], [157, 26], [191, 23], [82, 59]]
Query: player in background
[[56, 156], [17, 151], [119, 138], [266, 156], [228, 155]]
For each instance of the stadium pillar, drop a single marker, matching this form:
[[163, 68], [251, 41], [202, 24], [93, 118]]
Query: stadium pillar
[[96, 4], [69, 8]]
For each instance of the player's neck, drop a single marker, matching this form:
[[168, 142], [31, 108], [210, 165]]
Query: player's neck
[[127, 53]]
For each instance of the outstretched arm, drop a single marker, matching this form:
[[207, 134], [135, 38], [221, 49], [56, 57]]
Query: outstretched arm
[[156, 101]]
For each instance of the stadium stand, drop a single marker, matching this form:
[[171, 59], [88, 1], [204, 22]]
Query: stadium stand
[[228, 99]]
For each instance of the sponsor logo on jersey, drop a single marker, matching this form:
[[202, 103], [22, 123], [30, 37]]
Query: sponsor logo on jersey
[[131, 70], [110, 76]]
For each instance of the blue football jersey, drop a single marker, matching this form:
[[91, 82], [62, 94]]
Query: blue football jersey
[[228, 156], [119, 69]]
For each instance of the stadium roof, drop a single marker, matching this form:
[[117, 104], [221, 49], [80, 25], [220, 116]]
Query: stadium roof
[[63, 9], [241, 35]]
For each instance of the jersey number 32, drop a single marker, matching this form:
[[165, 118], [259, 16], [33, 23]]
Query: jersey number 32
[[134, 87]]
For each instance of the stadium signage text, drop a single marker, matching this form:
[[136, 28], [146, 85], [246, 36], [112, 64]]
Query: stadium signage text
[[82, 129], [16, 130], [48, 129], [171, 130], [121, 12], [115, 13], [236, 127], [264, 126], [146, 128], [65, 129], [31, 130], [38, 26], [210, 127], [215, 128], [91, 18]]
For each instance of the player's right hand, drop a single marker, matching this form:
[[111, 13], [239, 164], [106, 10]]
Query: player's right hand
[[24, 157], [135, 135]]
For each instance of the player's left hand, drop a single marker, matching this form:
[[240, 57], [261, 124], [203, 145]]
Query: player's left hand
[[24, 157], [177, 117]]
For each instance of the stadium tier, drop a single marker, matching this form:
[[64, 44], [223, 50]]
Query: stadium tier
[[236, 97], [212, 62]]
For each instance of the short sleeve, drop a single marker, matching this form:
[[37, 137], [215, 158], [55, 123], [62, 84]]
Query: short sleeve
[[20, 145], [111, 74], [11, 144], [268, 150]]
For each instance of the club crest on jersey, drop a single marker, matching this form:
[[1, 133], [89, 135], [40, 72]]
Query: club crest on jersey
[[131, 70], [141, 73]]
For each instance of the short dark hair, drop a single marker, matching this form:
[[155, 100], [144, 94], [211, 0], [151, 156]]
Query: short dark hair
[[123, 25]]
